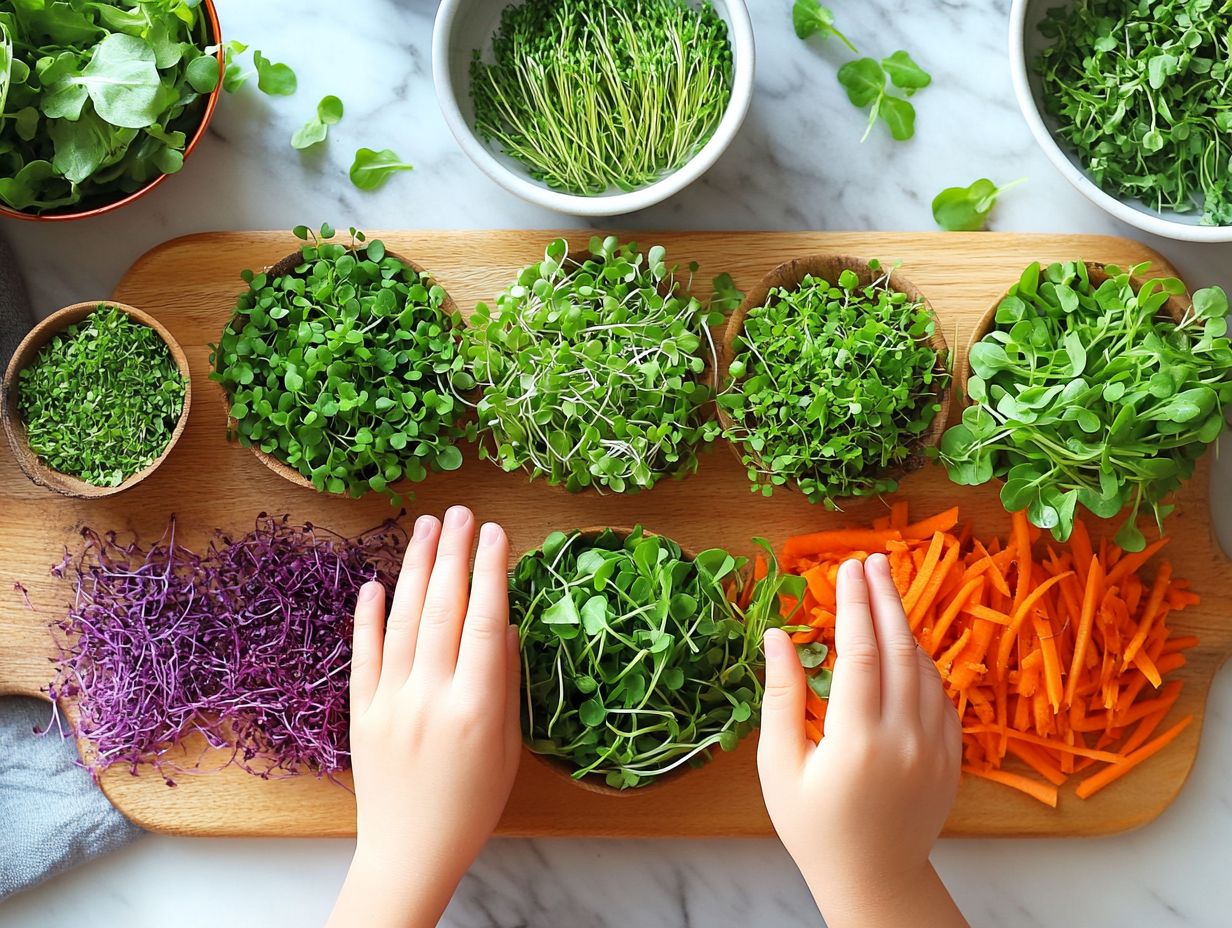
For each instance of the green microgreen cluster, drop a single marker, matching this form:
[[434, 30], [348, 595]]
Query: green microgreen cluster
[[346, 368], [101, 399], [635, 660], [97, 99], [966, 209], [833, 386], [1088, 394], [604, 94], [1141, 93], [592, 369]]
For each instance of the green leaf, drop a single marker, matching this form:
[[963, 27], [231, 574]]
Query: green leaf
[[203, 74], [863, 79], [371, 169], [904, 73], [899, 116], [122, 81], [810, 18], [315, 131], [6, 66], [449, 458], [274, 79], [330, 110], [562, 612], [966, 209]]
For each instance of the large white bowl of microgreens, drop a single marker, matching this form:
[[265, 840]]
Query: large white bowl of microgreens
[[593, 107], [1129, 102]]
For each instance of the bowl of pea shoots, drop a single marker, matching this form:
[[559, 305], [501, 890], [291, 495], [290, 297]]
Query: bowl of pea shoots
[[95, 398], [593, 107]]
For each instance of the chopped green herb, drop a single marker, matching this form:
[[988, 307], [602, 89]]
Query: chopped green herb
[[1140, 92], [592, 369], [833, 386], [101, 399], [1083, 393], [604, 94], [347, 369], [635, 661], [966, 209]]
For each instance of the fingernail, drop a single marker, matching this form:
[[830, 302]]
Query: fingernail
[[424, 526], [456, 516], [368, 591], [490, 534], [853, 569], [879, 563]]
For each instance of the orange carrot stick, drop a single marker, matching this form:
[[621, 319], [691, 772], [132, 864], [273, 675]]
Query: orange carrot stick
[[1044, 792], [1095, 588], [1110, 774]]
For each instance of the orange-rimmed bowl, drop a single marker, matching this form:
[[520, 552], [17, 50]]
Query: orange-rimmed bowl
[[215, 33]]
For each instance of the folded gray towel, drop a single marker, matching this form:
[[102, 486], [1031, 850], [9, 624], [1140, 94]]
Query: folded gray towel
[[52, 816]]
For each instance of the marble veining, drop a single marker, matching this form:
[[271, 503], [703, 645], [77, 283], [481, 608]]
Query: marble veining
[[797, 164]]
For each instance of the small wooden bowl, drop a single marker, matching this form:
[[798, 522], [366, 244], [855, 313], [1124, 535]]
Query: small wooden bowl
[[284, 268], [594, 783], [15, 429], [1175, 308], [828, 267]]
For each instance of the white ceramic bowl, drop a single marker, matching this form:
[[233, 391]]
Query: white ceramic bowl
[[465, 25], [1025, 45]]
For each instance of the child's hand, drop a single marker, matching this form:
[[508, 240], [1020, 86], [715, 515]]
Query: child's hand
[[435, 736], [860, 811]]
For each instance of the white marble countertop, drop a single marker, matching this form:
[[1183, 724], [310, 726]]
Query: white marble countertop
[[797, 164]]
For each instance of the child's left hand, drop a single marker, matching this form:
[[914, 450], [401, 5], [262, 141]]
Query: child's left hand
[[435, 734]]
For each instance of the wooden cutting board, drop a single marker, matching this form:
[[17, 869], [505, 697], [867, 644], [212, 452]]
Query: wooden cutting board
[[190, 284]]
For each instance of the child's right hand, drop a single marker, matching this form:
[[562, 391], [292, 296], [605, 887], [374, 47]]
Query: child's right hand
[[860, 812]]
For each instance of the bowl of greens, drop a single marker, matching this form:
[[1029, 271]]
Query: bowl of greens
[[838, 379], [593, 107], [1129, 102], [639, 658], [1092, 385], [342, 368], [101, 102], [94, 399], [596, 369]]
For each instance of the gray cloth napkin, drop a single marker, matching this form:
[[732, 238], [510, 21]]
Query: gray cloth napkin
[[52, 816]]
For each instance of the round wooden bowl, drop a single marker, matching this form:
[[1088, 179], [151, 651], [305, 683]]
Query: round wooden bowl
[[1175, 308], [284, 268], [828, 267], [15, 429], [214, 31], [561, 767]]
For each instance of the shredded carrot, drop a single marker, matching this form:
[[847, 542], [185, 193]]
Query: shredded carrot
[[1054, 655], [1042, 791], [1094, 783], [1086, 620]]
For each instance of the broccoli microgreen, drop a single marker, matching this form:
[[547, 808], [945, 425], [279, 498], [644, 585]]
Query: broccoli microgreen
[[348, 369]]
